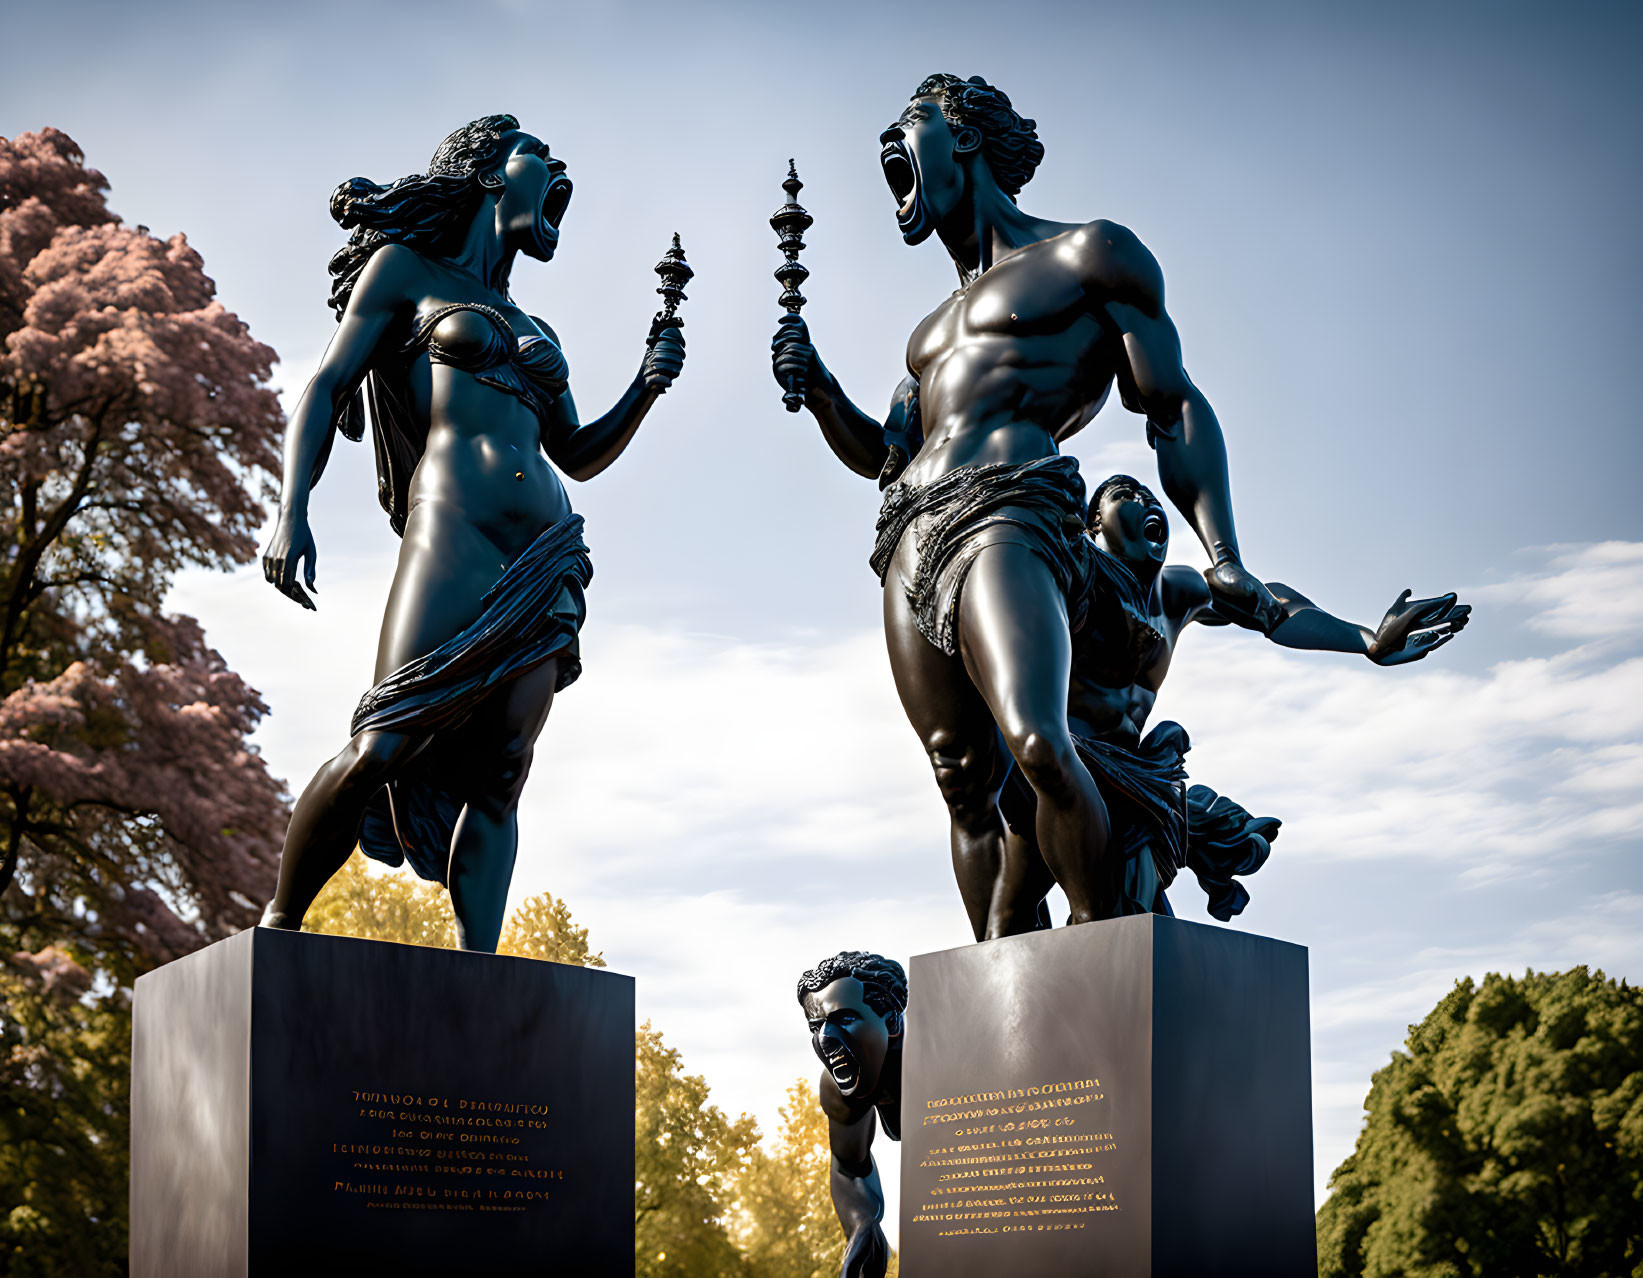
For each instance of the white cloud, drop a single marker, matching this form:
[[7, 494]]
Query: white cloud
[[1587, 591]]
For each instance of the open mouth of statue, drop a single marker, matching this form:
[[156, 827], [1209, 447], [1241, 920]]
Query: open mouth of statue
[[556, 201], [1154, 527], [844, 1071], [903, 179]]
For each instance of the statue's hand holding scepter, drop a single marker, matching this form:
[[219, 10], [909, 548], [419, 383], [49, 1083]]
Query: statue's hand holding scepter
[[792, 354], [665, 347], [855, 438]]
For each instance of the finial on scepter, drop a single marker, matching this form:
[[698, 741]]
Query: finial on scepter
[[790, 222], [675, 273]]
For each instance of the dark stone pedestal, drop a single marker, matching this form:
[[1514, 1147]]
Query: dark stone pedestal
[[307, 1105], [1129, 1098]]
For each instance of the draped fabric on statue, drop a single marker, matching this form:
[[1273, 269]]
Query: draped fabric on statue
[[1037, 504], [533, 612], [1160, 826]]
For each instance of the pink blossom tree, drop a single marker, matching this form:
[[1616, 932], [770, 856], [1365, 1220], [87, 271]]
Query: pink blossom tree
[[138, 435]]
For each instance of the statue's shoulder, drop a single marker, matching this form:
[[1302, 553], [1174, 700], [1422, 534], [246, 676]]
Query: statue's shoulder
[[393, 273], [1115, 260], [1185, 592], [399, 259]]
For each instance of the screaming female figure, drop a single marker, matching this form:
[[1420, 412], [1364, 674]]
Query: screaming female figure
[[465, 393]]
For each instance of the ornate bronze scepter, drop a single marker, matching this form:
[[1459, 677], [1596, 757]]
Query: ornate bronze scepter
[[675, 273], [790, 222]]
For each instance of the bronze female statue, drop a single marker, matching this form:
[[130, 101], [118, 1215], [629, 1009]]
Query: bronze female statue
[[465, 392]]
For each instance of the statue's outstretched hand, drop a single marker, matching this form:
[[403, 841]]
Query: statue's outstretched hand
[[292, 546], [664, 357], [792, 357], [1410, 630], [868, 1254]]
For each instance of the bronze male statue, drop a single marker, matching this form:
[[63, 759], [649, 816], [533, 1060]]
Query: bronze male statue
[[1134, 614], [980, 544], [854, 1002]]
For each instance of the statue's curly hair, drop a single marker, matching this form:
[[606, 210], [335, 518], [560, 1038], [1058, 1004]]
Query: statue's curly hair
[[424, 211], [883, 983], [1125, 484], [1009, 141]]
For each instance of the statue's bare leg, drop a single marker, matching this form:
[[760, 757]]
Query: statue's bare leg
[[1014, 639], [325, 823], [1024, 880], [445, 567], [956, 729], [498, 743]]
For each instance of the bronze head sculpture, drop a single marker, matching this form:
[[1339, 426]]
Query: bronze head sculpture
[[471, 412], [855, 1003]]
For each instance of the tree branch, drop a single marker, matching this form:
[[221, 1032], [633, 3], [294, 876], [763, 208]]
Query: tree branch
[[34, 549], [14, 836]]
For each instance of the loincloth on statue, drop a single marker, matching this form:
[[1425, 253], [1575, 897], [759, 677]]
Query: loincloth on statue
[[533, 612], [1160, 825], [1037, 504]]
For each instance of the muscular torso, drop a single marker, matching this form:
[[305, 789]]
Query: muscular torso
[[482, 491], [1016, 361], [1120, 661], [483, 459]]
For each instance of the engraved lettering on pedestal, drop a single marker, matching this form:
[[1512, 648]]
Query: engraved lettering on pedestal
[[1016, 1160], [414, 1152]]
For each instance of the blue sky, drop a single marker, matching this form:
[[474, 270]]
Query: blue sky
[[1398, 242]]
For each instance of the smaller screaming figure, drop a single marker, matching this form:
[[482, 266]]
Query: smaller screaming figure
[[1135, 612], [855, 1003]]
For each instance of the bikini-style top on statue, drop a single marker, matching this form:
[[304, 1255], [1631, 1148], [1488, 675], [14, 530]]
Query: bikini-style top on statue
[[532, 369]]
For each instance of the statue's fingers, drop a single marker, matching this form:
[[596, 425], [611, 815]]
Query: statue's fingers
[[1438, 607], [1427, 641], [295, 591], [312, 562]]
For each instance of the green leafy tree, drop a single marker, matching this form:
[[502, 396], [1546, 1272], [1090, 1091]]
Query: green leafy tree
[[377, 906], [541, 928], [784, 1221], [1505, 1141], [688, 1157], [64, 1070], [382, 905]]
